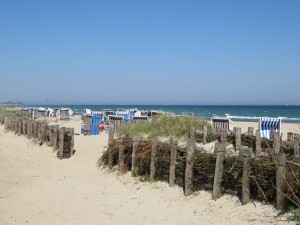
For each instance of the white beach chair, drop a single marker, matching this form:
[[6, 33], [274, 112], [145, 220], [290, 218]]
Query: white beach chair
[[267, 124], [222, 122]]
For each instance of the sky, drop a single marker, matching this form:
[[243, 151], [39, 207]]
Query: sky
[[150, 52]]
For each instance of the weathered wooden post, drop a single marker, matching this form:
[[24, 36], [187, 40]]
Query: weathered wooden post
[[16, 130], [218, 171], [24, 124], [42, 133], [20, 131], [29, 129], [174, 146], [188, 179], [223, 136], [250, 131], [61, 142], [247, 152], [153, 158], [276, 143], [55, 137], [272, 134], [110, 134], [204, 134], [238, 139], [280, 180], [290, 136], [296, 145], [71, 139], [135, 146], [50, 135], [258, 143], [122, 168]]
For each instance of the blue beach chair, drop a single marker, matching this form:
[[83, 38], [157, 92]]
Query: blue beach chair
[[267, 124]]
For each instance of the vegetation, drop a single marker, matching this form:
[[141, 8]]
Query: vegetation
[[166, 126], [8, 112], [295, 214]]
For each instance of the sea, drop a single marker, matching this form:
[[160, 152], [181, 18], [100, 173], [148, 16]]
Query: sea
[[251, 113]]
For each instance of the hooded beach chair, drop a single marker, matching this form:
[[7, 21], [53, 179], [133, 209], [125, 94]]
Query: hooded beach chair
[[267, 124], [222, 122]]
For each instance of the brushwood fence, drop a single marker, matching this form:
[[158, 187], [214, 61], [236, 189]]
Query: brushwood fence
[[61, 139], [261, 169]]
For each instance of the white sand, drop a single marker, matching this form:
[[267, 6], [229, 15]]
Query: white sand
[[38, 188]]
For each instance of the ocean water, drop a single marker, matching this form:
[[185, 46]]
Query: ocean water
[[288, 113]]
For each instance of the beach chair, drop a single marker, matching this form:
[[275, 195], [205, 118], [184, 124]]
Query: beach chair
[[267, 124], [222, 123], [115, 121]]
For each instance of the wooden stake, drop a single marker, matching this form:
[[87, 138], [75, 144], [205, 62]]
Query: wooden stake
[[122, 165], [135, 147], [296, 145], [174, 146], [250, 131], [258, 143], [290, 136], [153, 158], [188, 179], [238, 139], [61, 142], [219, 171], [247, 152], [204, 134], [280, 180]]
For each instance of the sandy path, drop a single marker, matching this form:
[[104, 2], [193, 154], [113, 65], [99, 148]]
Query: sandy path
[[38, 188]]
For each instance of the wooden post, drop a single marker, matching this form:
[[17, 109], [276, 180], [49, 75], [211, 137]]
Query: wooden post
[[290, 136], [272, 134], [153, 158], [61, 142], [296, 145], [24, 128], [135, 146], [20, 131], [29, 129], [192, 133], [218, 171], [276, 143], [188, 179], [71, 137], [247, 152], [223, 136], [280, 180], [258, 143], [55, 137], [250, 131], [122, 165], [204, 134], [110, 134], [174, 145], [50, 130], [238, 139]]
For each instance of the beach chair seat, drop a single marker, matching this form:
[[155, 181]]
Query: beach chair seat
[[266, 125]]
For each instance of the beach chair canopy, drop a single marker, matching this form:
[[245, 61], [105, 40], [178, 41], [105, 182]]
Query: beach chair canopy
[[267, 124]]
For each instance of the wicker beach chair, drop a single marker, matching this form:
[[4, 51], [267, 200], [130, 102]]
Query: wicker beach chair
[[266, 125]]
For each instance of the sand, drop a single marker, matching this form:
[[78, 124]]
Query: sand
[[38, 188]]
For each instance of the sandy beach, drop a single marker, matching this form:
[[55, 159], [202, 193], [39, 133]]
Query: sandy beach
[[38, 188]]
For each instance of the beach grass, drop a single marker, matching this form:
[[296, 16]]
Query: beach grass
[[166, 126]]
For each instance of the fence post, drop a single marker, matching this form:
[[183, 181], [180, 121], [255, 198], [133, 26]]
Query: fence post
[[122, 165], [247, 152], [174, 145], [153, 158], [258, 143], [296, 145], [223, 136], [250, 131], [110, 134], [188, 179], [55, 137], [204, 134], [71, 135], [290, 136], [276, 143], [218, 171], [280, 180], [135, 146], [238, 139], [20, 131], [61, 142]]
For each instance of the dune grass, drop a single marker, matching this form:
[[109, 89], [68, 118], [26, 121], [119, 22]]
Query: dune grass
[[166, 126], [8, 112]]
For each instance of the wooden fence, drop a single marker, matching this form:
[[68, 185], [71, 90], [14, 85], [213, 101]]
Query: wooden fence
[[245, 153], [61, 139]]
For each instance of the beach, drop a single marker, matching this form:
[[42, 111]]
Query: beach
[[38, 188]]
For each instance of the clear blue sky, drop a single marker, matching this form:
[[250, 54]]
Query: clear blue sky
[[150, 52]]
